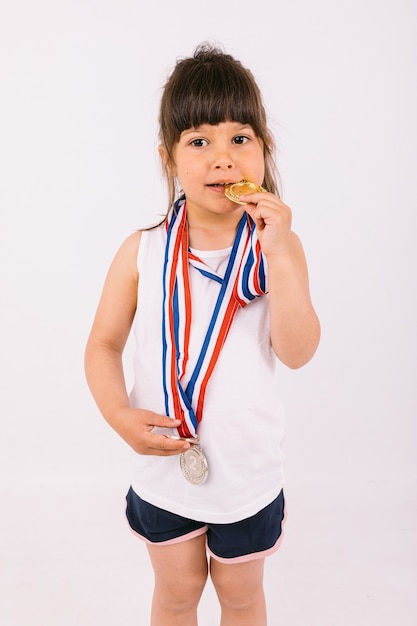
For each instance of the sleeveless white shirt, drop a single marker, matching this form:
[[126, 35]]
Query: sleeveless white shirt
[[243, 426]]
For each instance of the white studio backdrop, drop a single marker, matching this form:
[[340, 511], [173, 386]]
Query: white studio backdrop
[[80, 85]]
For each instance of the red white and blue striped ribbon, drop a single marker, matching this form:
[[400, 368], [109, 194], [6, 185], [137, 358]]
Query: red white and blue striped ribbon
[[244, 280]]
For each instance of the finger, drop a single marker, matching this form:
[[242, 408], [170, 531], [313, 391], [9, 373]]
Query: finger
[[189, 439], [254, 198], [163, 421], [166, 446], [249, 198], [254, 213]]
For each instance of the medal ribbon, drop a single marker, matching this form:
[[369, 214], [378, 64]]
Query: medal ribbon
[[243, 281]]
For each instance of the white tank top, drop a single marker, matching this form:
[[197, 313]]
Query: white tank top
[[243, 426]]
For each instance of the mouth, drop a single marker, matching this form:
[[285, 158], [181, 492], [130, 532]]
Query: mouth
[[220, 184]]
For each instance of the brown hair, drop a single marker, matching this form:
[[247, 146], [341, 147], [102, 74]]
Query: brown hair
[[209, 88]]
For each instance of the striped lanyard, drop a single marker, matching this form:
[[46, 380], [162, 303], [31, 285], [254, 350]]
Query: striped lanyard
[[243, 281]]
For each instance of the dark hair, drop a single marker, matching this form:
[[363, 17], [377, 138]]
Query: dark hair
[[209, 88]]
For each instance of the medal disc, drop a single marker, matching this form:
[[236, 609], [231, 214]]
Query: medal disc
[[233, 191], [194, 466]]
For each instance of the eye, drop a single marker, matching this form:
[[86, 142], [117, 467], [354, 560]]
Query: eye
[[198, 143], [240, 139]]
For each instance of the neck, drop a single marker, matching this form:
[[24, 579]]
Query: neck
[[213, 232]]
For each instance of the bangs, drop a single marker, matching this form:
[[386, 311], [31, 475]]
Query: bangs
[[211, 95]]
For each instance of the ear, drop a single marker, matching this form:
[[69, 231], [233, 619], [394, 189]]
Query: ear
[[165, 160]]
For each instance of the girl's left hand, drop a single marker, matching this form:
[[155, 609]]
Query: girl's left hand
[[272, 220], [295, 329]]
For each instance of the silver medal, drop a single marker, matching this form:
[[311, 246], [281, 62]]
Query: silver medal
[[194, 466]]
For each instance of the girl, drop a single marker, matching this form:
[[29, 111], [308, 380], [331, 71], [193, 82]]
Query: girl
[[217, 294]]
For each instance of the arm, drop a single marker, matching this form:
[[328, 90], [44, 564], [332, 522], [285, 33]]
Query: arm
[[295, 328], [103, 359]]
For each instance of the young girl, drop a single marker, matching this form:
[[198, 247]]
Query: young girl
[[216, 295]]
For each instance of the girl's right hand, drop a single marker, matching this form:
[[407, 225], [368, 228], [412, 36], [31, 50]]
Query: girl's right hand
[[135, 427]]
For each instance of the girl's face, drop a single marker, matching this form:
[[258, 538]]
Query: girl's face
[[207, 157]]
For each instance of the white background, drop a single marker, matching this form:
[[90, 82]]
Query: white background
[[80, 84]]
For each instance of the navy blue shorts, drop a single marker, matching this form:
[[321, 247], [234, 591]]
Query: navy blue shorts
[[248, 539]]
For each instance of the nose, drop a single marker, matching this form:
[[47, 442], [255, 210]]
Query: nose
[[223, 160], [224, 165]]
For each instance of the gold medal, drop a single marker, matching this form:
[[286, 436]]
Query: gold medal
[[233, 191]]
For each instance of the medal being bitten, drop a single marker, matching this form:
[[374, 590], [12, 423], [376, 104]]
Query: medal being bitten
[[233, 191]]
